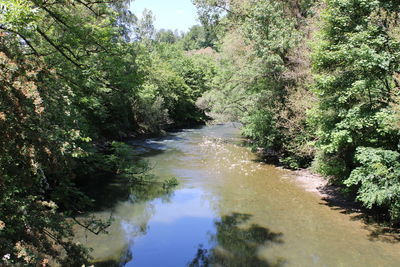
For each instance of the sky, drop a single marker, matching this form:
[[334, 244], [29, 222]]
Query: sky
[[169, 14]]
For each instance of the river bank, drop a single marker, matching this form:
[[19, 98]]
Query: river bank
[[229, 208], [319, 185], [331, 195]]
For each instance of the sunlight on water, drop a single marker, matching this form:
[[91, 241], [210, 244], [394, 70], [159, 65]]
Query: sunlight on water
[[230, 210]]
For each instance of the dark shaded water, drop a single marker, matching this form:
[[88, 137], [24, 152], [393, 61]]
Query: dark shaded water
[[228, 210]]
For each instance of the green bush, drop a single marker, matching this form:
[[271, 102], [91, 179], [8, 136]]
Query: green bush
[[377, 179], [260, 127]]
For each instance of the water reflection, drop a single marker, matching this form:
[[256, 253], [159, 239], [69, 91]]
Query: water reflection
[[130, 207], [237, 245], [218, 177], [115, 263], [109, 192], [174, 230], [375, 225]]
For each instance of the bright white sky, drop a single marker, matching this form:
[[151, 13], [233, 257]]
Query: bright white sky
[[169, 14]]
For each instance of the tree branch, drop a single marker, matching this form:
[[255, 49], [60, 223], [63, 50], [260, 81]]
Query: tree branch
[[35, 52], [58, 48], [87, 227]]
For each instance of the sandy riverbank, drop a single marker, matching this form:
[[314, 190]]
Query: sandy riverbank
[[317, 184]]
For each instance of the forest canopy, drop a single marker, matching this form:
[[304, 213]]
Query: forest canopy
[[315, 83], [77, 78]]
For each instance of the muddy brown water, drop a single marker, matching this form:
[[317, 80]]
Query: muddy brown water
[[228, 210]]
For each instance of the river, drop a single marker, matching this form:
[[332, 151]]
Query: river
[[229, 210]]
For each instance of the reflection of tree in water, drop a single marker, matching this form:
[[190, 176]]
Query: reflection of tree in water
[[237, 246], [138, 193], [114, 263], [107, 192]]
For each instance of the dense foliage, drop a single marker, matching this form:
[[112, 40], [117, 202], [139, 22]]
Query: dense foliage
[[77, 77], [315, 82], [357, 61], [265, 75]]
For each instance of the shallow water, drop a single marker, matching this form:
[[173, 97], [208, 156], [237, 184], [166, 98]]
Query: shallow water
[[229, 210]]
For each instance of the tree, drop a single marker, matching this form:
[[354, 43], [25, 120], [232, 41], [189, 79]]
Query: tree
[[356, 62], [262, 79], [167, 36]]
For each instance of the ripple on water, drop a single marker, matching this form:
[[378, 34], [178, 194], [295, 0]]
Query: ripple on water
[[232, 211]]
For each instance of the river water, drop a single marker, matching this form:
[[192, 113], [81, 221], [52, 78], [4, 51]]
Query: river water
[[229, 210]]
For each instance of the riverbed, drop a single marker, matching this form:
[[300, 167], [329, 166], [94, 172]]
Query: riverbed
[[229, 209]]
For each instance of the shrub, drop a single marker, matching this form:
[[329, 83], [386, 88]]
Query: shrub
[[377, 179]]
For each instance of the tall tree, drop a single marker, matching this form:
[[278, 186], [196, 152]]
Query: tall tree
[[357, 61]]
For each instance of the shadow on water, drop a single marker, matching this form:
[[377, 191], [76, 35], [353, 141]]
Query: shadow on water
[[236, 245], [114, 263], [108, 263], [376, 225], [108, 192], [130, 193]]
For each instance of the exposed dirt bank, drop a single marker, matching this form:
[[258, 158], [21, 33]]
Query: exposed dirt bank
[[319, 185]]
